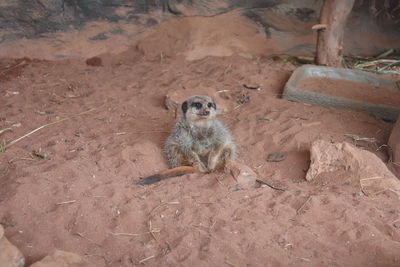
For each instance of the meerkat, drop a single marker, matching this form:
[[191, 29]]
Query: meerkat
[[198, 141]]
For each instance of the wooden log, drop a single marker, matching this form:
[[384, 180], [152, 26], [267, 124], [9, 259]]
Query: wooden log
[[334, 14]]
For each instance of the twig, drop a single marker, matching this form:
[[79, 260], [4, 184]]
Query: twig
[[390, 65], [386, 53], [358, 138], [144, 132], [230, 264], [238, 106], [394, 191], [273, 187], [218, 180], [66, 202], [227, 69], [374, 62], [84, 237], [151, 231], [163, 204], [15, 159], [371, 178], [23, 62], [380, 71], [148, 258], [44, 126], [35, 130], [133, 234], [395, 221], [226, 90], [302, 206], [5, 130]]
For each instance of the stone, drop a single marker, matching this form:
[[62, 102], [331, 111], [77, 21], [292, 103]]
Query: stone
[[363, 168], [10, 256], [277, 157], [61, 258], [394, 148], [243, 174]]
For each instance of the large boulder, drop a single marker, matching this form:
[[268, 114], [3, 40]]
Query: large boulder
[[362, 168]]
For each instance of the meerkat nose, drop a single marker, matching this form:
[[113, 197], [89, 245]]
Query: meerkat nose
[[206, 112]]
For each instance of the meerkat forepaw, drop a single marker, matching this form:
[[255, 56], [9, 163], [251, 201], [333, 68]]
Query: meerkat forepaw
[[201, 167]]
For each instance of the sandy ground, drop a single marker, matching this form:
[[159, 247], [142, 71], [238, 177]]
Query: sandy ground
[[71, 185]]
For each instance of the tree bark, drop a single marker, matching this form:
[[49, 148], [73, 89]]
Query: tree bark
[[334, 14]]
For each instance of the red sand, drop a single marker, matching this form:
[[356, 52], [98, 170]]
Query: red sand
[[352, 90], [83, 198]]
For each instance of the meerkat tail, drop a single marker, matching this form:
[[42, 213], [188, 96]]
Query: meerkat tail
[[174, 172]]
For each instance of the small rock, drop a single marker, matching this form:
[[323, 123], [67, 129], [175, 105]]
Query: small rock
[[244, 175], [94, 62], [10, 255], [61, 258], [235, 187], [277, 157]]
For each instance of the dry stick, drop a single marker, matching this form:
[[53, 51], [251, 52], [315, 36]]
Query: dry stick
[[90, 240], [395, 221], [371, 178], [151, 231], [163, 204], [66, 202], [302, 206], [394, 191], [375, 62], [144, 132], [15, 159], [273, 187], [218, 180], [230, 263], [44, 126], [148, 258], [23, 62], [5, 130], [132, 234]]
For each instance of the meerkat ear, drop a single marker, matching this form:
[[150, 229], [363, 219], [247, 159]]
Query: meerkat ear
[[184, 107]]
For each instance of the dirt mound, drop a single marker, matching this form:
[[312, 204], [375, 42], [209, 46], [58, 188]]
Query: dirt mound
[[196, 38], [224, 35]]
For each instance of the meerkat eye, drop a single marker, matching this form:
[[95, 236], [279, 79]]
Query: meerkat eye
[[209, 104], [197, 105]]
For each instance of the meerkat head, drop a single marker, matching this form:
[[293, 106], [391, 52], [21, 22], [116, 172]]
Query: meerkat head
[[199, 108]]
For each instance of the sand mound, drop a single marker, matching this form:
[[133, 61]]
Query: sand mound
[[196, 38]]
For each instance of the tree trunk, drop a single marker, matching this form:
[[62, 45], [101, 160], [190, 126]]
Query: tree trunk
[[333, 19]]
